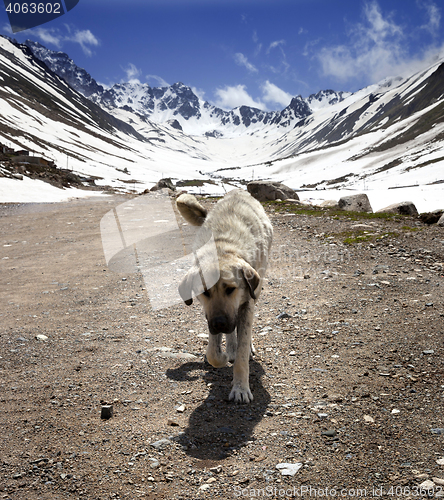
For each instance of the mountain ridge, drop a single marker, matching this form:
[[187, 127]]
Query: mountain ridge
[[178, 102]]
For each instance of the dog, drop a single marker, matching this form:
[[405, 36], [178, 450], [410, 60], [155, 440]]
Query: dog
[[231, 250]]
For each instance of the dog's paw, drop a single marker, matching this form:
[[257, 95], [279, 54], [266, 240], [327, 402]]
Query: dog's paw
[[217, 361], [241, 394]]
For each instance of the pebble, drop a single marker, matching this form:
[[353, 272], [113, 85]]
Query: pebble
[[181, 408], [427, 485], [283, 315], [41, 337], [440, 461], [330, 433], [154, 463], [161, 444], [438, 430], [288, 469], [429, 351], [177, 355], [369, 419], [106, 412]]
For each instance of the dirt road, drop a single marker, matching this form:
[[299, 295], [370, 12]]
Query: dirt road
[[347, 380]]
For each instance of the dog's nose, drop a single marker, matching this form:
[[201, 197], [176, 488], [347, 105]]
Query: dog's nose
[[219, 324]]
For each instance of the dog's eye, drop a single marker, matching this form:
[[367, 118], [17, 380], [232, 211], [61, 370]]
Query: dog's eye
[[230, 290], [206, 293]]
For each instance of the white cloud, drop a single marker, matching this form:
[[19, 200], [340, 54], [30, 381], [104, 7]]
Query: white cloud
[[85, 39], [434, 15], [241, 60], [273, 94], [132, 74], [199, 92], [231, 97], [378, 48], [160, 82], [49, 36], [275, 44]]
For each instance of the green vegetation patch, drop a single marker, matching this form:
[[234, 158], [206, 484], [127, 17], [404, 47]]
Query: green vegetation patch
[[282, 207]]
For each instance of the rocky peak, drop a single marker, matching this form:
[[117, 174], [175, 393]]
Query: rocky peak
[[60, 63]]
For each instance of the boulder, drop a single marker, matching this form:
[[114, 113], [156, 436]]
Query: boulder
[[431, 217], [355, 203], [164, 183], [268, 190], [403, 208], [441, 221], [329, 204]]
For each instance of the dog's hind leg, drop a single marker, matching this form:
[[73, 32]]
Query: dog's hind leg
[[240, 392], [231, 342], [252, 350], [215, 356]]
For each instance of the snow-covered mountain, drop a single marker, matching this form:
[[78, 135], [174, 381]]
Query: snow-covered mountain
[[62, 65], [388, 135], [177, 104]]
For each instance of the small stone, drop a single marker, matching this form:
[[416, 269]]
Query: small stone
[[41, 337], [369, 419], [330, 433], [154, 463], [438, 481], [440, 461], [288, 469], [429, 351], [161, 444], [106, 412], [438, 430], [283, 315], [427, 485], [395, 412], [181, 408]]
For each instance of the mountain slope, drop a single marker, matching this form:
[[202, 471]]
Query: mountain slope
[[39, 112], [389, 134]]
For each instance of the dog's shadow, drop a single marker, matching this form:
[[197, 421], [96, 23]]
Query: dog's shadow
[[217, 426]]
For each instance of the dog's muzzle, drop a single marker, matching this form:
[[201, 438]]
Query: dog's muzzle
[[219, 324]]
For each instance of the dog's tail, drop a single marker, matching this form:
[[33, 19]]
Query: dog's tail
[[192, 211]]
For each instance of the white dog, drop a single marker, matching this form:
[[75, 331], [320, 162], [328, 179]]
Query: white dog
[[242, 236]]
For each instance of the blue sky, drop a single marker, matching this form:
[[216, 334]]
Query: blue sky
[[254, 52]]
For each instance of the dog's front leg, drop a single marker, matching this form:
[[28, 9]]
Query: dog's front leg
[[215, 356], [240, 392], [231, 343]]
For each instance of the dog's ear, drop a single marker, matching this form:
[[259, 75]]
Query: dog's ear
[[251, 278], [186, 287], [192, 211]]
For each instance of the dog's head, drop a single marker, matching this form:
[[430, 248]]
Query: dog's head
[[237, 283]]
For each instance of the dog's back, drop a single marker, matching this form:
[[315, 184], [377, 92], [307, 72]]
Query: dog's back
[[238, 222]]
